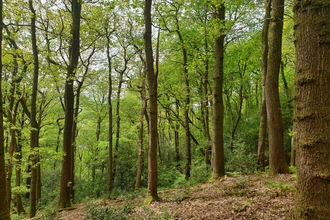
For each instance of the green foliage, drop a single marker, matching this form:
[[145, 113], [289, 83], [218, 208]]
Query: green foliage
[[21, 190], [50, 214], [240, 159], [168, 176], [107, 212], [282, 188]]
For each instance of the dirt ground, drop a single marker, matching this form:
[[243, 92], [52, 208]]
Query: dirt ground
[[233, 197]]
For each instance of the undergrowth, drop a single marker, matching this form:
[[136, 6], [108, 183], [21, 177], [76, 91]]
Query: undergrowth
[[96, 212]]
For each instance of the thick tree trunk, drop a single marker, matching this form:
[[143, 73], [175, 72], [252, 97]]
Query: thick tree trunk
[[312, 109], [218, 165], [277, 163], [4, 207], [263, 112], [67, 163], [152, 193]]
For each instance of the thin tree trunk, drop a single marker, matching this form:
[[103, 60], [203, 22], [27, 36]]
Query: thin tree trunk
[[58, 138], [120, 83], [19, 203], [11, 115], [206, 123], [312, 109], [177, 136], [277, 163], [110, 165], [141, 129]]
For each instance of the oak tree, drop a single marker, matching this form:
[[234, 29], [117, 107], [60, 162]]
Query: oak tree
[[312, 109]]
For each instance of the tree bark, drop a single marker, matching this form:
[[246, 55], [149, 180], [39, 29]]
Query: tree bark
[[187, 104], [152, 193], [263, 113], [312, 109], [34, 139], [110, 139], [4, 207], [19, 202], [67, 163], [277, 163], [218, 166], [141, 131]]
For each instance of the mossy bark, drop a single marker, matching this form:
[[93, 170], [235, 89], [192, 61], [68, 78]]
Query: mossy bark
[[312, 109]]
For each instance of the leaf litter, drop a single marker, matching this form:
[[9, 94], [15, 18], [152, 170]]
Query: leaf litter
[[243, 197]]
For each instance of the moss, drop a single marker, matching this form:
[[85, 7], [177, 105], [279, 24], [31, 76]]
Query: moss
[[305, 3], [150, 198], [310, 212], [218, 177]]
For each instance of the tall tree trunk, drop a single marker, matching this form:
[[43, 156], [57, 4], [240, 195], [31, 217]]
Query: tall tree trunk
[[58, 137], [67, 163], [237, 119], [218, 166], [176, 127], [120, 83], [277, 163], [206, 119], [75, 117], [4, 207], [312, 109], [187, 104], [110, 165], [152, 193], [141, 131], [11, 115], [263, 113], [19, 202], [34, 131]]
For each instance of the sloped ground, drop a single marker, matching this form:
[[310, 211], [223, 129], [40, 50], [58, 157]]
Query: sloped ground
[[237, 197]]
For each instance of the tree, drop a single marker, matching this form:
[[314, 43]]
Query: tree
[[67, 163], [142, 90], [153, 112], [277, 163], [312, 109], [263, 112], [218, 166], [34, 133], [110, 114], [4, 207]]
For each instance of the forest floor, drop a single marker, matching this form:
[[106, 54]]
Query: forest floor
[[234, 197]]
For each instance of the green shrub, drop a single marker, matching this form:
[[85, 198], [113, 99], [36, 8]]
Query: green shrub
[[241, 160]]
